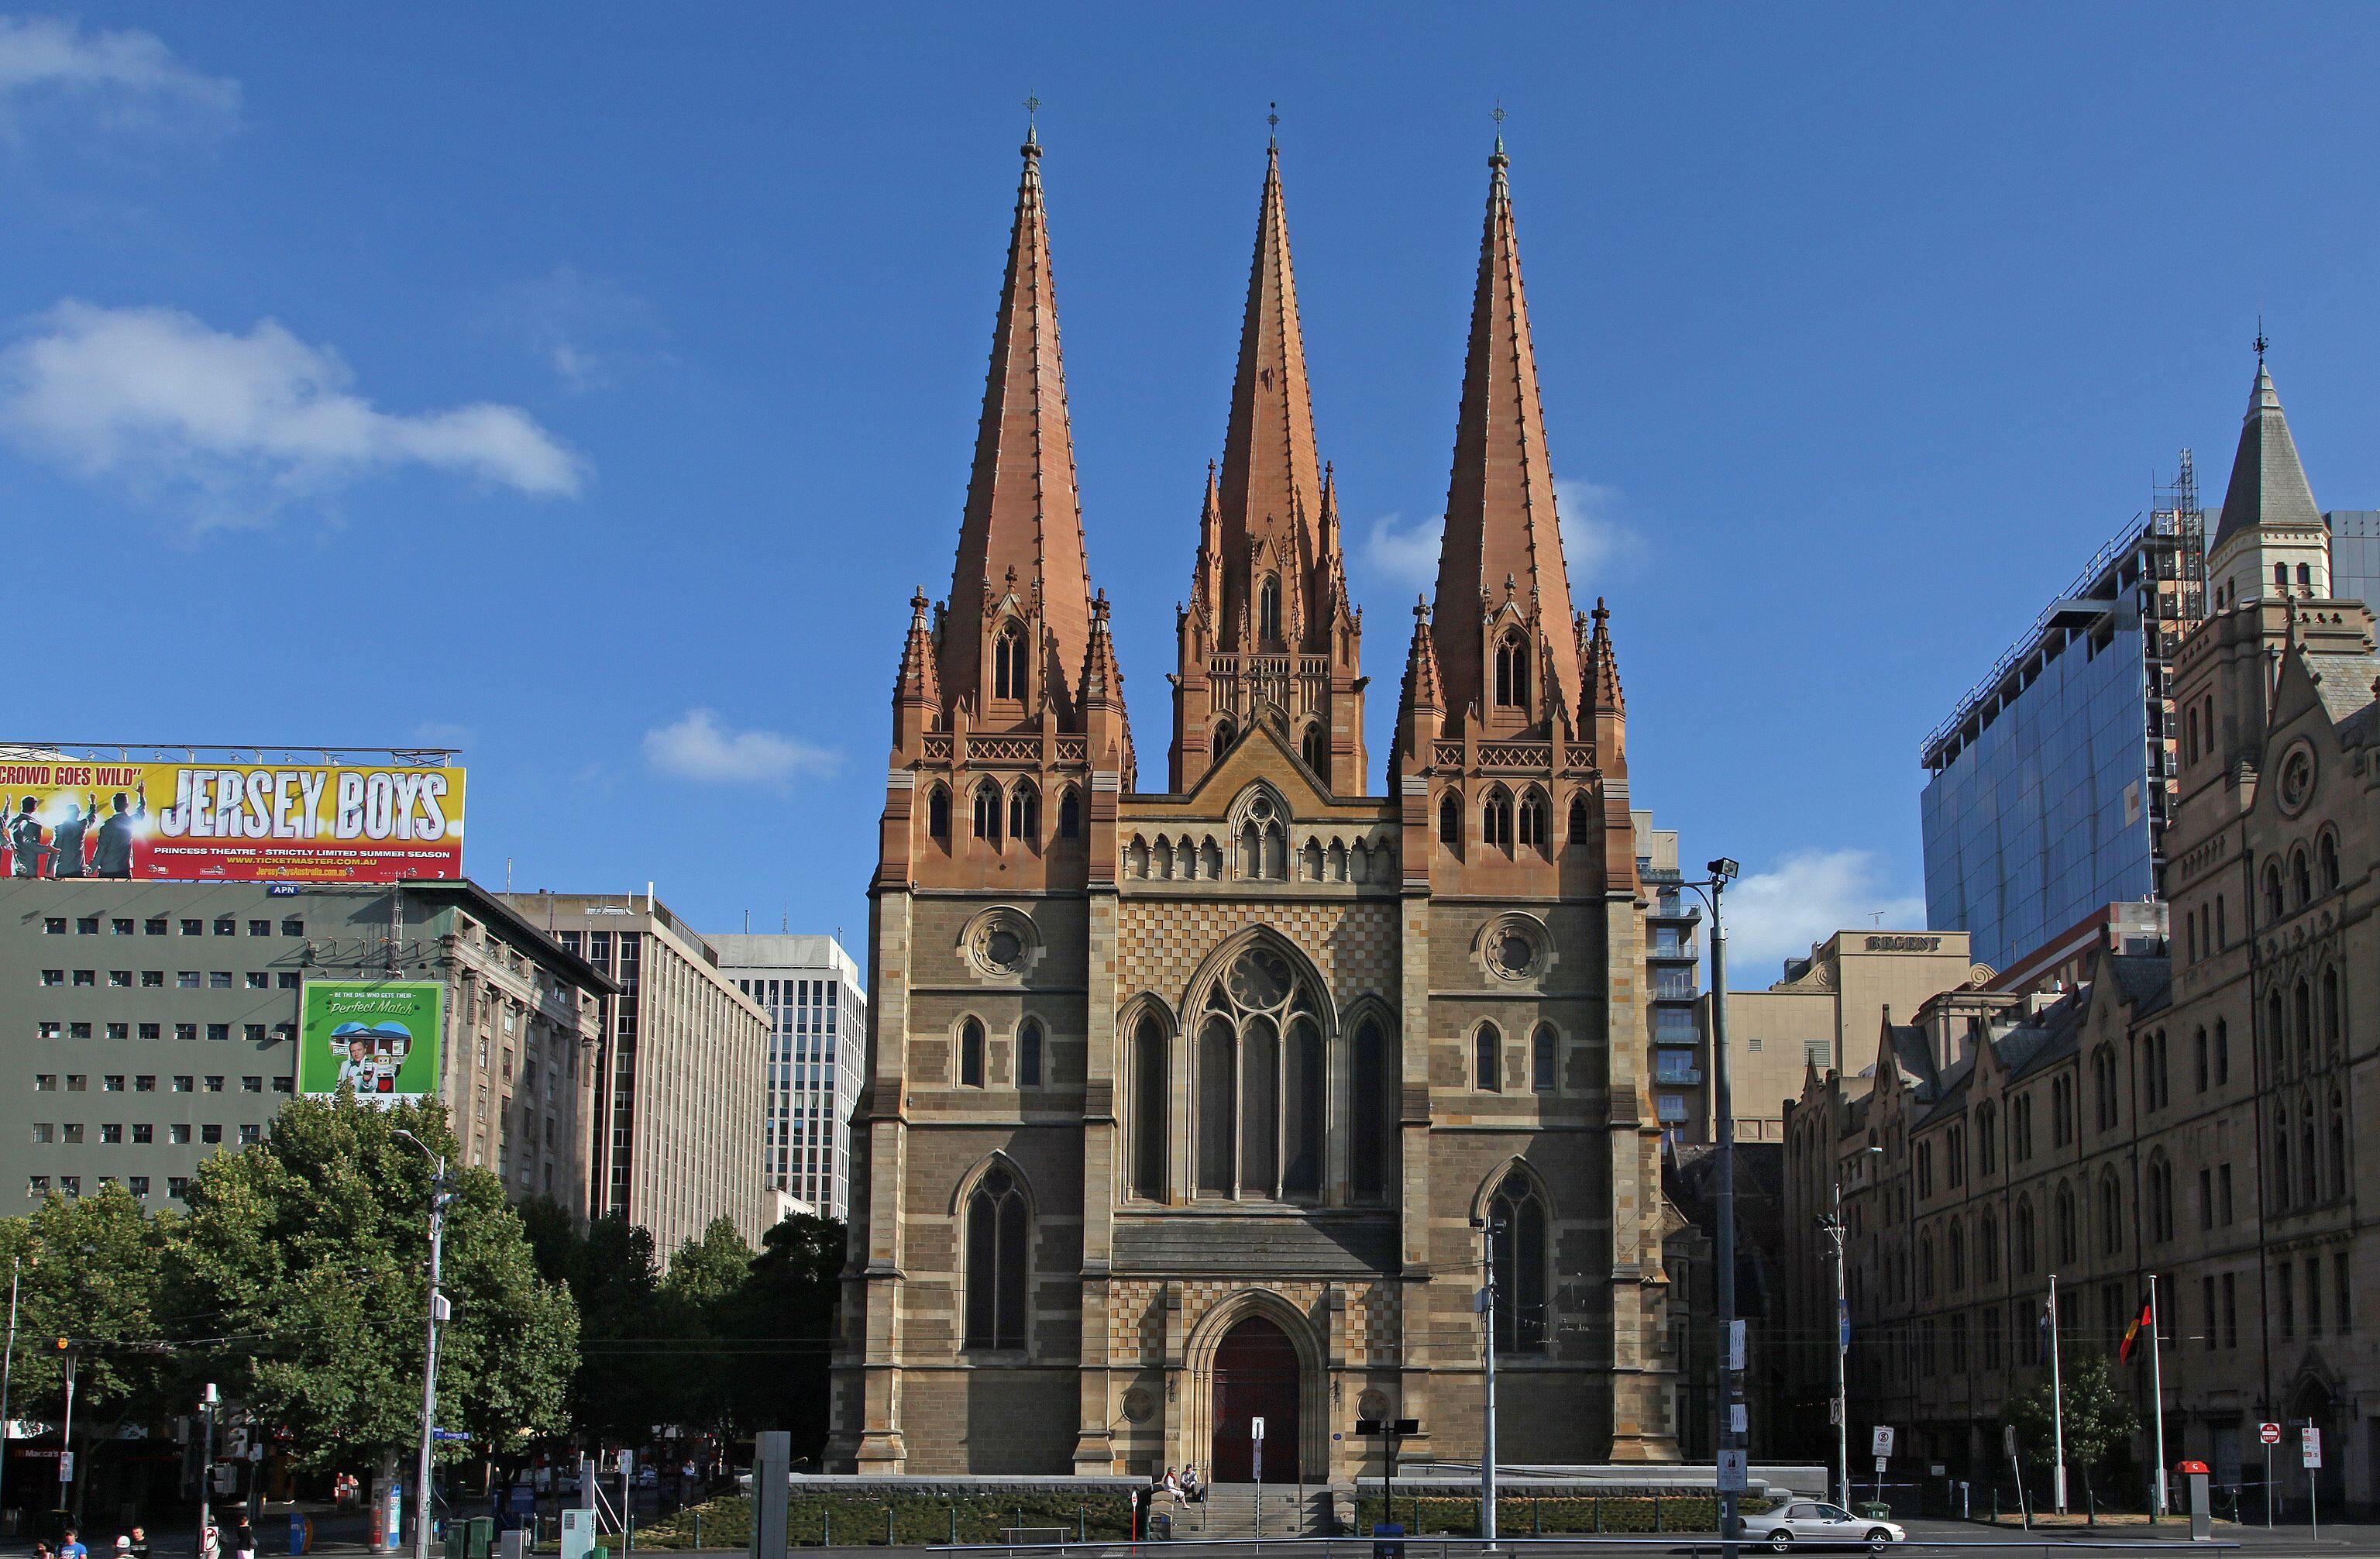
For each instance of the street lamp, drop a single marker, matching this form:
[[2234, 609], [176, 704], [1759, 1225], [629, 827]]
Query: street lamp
[[1831, 1225], [1731, 1426], [439, 1197], [1490, 1229]]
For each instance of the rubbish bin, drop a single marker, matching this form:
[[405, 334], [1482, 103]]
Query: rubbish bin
[[1388, 1540], [302, 1533], [1160, 1526], [1875, 1510]]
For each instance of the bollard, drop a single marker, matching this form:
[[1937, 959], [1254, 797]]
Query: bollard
[[1657, 1512], [1082, 1522], [2090, 1507], [698, 1528], [1537, 1517], [1599, 1516], [954, 1524], [826, 1526], [887, 1523]]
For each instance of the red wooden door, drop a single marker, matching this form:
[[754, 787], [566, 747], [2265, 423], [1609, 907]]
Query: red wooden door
[[1256, 1376]]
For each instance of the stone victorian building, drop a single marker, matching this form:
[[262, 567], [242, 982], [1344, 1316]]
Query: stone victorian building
[[1186, 1103], [2195, 1116]]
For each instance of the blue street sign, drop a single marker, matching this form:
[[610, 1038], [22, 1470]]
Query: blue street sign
[[1843, 1322], [448, 1434]]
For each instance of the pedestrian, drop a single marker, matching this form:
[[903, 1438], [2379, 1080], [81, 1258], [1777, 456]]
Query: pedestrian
[[70, 1546], [41, 1550], [140, 1543], [243, 1542]]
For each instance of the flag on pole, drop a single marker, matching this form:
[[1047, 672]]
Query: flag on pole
[[2133, 1333]]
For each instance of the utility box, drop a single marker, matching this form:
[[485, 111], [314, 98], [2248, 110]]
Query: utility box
[[773, 1466], [513, 1544], [2202, 1518], [577, 1534]]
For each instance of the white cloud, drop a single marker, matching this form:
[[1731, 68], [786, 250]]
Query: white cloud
[[699, 748], [590, 332], [130, 80], [239, 423], [1402, 555], [1776, 915], [1594, 539]]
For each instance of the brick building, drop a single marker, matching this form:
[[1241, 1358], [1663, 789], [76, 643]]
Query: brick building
[[2192, 1115], [1184, 1100]]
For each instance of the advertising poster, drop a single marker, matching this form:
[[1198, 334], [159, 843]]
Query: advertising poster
[[229, 823], [380, 1037]]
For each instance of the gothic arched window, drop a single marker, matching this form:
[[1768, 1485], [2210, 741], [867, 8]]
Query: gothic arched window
[[1513, 670], [996, 1258], [1222, 740], [1260, 1081], [2271, 892], [971, 1054], [1488, 1059], [1025, 812], [2281, 1158], [2337, 1143], [938, 815], [987, 812], [2300, 876], [1368, 1151], [1987, 1249], [2333, 1031], [1534, 818], [2305, 1025], [1264, 841], [1543, 1048], [2064, 1225], [1516, 1222], [1008, 663], [2024, 1254], [1313, 748], [1496, 818], [1149, 1083], [2111, 1214], [1450, 820], [1578, 822], [1268, 613], [1070, 815], [1028, 1053], [2328, 849]]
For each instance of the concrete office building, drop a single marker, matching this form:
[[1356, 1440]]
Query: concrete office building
[[817, 1049], [1824, 1014], [676, 1134], [1680, 1065], [2052, 782], [157, 1022]]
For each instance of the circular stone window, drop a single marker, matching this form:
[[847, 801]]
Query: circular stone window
[[1514, 948], [1139, 1406], [2297, 779], [1373, 1403], [1513, 955], [1000, 943]]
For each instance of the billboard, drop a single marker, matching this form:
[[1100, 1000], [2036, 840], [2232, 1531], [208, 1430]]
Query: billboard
[[229, 821], [380, 1037]]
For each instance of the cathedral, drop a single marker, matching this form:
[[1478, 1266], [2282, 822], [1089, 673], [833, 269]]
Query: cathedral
[[1208, 1105]]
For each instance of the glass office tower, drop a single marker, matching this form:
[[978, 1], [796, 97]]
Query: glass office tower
[[2355, 555], [2051, 783]]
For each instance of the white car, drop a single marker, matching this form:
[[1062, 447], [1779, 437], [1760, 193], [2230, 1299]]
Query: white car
[[1828, 1525]]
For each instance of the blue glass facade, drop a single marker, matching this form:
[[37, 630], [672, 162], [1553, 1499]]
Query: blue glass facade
[[2355, 555], [2045, 815]]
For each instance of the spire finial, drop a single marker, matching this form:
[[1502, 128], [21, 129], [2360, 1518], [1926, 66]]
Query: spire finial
[[1272, 120], [1499, 160], [1032, 110], [2260, 343]]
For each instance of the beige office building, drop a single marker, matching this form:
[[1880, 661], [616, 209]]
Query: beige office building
[[680, 1111]]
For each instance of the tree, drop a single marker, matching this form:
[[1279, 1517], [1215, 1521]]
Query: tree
[[619, 1388], [787, 1310], [312, 1248], [700, 1318], [91, 1270], [2098, 1421]]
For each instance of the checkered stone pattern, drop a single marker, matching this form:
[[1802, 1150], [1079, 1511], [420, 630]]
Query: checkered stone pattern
[[1135, 1321], [1375, 1324], [1202, 1294], [1161, 944]]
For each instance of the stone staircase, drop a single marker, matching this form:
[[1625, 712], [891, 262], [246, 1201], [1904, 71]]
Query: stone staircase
[[1231, 1510]]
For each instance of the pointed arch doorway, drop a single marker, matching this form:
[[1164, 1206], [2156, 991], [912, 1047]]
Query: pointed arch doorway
[[1256, 1376]]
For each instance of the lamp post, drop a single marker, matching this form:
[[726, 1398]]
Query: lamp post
[[439, 1195], [1490, 1228], [1831, 1225], [1731, 1437]]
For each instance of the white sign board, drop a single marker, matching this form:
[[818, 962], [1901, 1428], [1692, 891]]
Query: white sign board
[[65, 1466], [1735, 1345], [2008, 1441], [1256, 1428], [2269, 1433], [2310, 1445], [1735, 1470], [1883, 1440], [627, 1463]]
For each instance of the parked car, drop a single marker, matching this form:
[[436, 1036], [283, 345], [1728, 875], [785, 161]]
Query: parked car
[[1824, 1526]]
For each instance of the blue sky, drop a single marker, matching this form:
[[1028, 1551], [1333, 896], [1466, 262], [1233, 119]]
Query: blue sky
[[588, 388]]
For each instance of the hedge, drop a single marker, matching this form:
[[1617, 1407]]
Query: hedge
[[1522, 1515], [855, 1521]]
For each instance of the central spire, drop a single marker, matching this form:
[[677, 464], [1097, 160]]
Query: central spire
[[1499, 568], [1271, 483]]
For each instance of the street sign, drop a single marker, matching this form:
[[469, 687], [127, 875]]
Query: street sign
[[1736, 1419], [1735, 1345], [1834, 1410], [1879, 1467], [2008, 1441], [1883, 1447], [1256, 1428], [2310, 1447], [2269, 1433], [65, 1466], [1842, 1325], [627, 1463], [1735, 1470]]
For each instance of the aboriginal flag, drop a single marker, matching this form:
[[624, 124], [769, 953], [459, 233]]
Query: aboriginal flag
[[2133, 1334]]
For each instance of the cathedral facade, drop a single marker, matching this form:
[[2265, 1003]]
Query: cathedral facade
[[1198, 1103]]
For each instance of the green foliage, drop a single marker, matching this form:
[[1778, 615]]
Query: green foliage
[[93, 1269], [313, 1250], [621, 1384], [2099, 1421], [917, 1520], [1521, 1514]]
